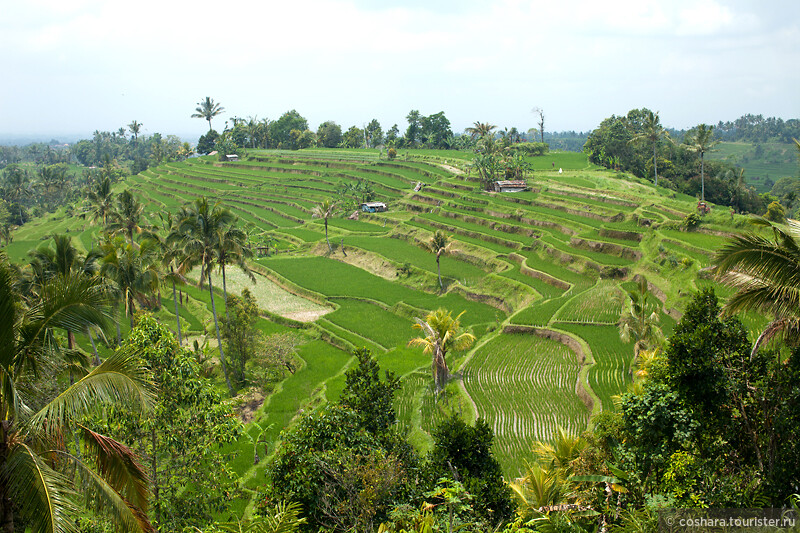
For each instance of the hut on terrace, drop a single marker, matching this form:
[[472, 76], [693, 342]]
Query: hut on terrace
[[510, 186]]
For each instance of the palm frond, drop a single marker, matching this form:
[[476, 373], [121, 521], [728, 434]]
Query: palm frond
[[102, 496], [119, 466], [120, 379], [8, 314], [45, 497], [286, 519]]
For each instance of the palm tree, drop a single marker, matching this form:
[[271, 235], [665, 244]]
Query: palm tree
[[440, 245], [480, 129], [233, 250], [41, 476], [64, 260], [101, 200], [702, 141], [208, 109], [135, 127], [736, 185], [127, 216], [638, 321], [199, 231], [765, 273], [442, 334], [132, 270], [325, 211], [652, 132], [170, 257]]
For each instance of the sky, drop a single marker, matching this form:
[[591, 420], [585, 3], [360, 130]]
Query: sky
[[75, 66]]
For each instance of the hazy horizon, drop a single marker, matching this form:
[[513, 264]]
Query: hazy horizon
[[93, 65]]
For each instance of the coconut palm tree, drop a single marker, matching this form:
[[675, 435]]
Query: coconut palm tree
[[325, 211], [442, 334], [208, 109], [63, 260], [42, 478], [126, 218], [480, 129], [638, 321], [652, 132], [170, 253], [440, 245], [135, 127], [765, 273], [101, 200], [701, 141], [233, 250], [133, 271], [199, 231]]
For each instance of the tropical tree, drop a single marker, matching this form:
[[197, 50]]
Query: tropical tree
[[135, 127], [208, 109], [170, 256], [133, 271], [765, 273], [233, 249], [651, 132], [62, 260], [442, 334], [440, 245], [199, 231], [638, 321], [325, 211], [480, 129], [41, 476], [701, 141], [126, 218]]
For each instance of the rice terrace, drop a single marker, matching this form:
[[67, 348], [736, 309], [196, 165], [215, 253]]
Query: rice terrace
[[539, 275]]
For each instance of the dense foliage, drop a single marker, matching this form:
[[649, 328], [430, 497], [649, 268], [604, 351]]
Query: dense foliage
[[181, 440], [713, 425], [613, 144]]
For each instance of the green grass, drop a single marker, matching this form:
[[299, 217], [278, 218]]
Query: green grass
[[602, 303], [612, 359], [402, 251], [333, 278], [372, 322]]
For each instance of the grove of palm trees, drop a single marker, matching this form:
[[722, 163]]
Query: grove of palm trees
[[241, 345]]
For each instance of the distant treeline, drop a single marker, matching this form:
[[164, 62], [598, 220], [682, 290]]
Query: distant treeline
[[637, 143], [755, 129]]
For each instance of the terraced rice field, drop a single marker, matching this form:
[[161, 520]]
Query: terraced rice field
[[524, 387], [554, 244]]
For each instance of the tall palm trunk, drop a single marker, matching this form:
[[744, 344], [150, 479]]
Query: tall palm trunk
[[326, 235], [440, 370], [94, 347], [219, 338], [702, 179], [225, 290], [439, 271], [655, 163], [177, 316]]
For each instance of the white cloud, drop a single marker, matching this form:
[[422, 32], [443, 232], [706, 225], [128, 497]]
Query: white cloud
[[351, 60]]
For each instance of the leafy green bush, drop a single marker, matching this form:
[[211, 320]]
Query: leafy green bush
[[691, 221]]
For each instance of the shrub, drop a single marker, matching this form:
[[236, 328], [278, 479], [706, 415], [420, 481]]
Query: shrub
[[775, 212], [391, 154], [691, 221]]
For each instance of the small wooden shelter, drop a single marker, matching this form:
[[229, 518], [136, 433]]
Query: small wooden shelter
[[373, 207], [510, 186]]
